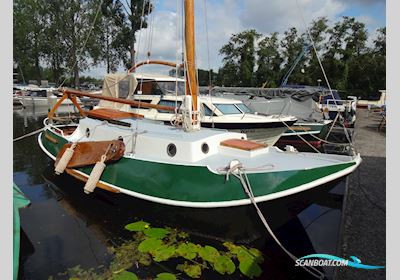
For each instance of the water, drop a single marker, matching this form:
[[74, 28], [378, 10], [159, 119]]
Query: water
[[63, 227]]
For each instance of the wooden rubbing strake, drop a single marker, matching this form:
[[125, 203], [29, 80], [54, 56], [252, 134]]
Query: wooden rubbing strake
[[88, 153], [242, 144]]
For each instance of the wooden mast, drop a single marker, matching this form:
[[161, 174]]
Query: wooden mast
[[191, 77]]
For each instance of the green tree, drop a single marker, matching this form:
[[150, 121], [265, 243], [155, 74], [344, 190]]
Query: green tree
[[269, 61], [292, 44], [126, 18], [28, 37], [239, 59]]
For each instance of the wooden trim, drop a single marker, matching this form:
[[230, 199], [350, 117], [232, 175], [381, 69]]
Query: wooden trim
[[51, 139], [117, 100], [84, 179], [53, 110], [73, 99], [242, 144], [111, 114], [159, 62]]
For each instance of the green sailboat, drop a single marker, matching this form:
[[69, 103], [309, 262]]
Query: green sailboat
[[180, 166]]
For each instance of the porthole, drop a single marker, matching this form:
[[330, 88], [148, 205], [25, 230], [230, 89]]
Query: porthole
[[205, 148], [171, 150], [87, 132]]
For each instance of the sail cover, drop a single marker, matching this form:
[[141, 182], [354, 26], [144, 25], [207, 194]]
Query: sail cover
[[118, 85]]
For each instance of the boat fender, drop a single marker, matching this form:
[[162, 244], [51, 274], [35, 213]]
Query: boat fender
[[95, 175], [64, 160]]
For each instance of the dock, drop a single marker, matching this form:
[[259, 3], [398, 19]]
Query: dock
[[363, 229]]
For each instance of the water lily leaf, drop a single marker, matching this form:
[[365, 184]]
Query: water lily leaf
[[191, 270], [137, 226], [125, 275], [187, 250], [163, 253], [249, 254], [256, 254], [208, 253], [231, 247], [165, 276], [224, 264], [150, 244], [250, 268], [156, 232]]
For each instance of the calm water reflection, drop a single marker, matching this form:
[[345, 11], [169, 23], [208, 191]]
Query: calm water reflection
[[63, 227]]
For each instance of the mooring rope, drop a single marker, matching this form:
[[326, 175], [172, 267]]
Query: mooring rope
[[28, 134], [244, 180]]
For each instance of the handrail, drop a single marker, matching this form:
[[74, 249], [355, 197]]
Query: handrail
[[159, 62], [71, 94]]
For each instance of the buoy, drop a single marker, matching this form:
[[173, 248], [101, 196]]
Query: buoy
[[95, 175], [66, 157]]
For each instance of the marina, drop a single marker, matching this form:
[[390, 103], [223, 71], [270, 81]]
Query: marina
[[321, 219], [273, 167]]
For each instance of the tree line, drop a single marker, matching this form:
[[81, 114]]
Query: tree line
[[351, 63], [51, 42], [51, 38]]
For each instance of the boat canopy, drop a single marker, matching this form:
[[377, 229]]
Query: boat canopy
[[118, 85]]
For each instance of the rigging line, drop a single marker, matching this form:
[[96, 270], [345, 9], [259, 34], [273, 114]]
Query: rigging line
[[320, 64], [208, 59], [85, 42], [147, 33], [176, 58], [304, 140], [152, 27], [140, 30]]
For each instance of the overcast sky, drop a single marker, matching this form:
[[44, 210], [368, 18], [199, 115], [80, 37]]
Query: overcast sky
[[226, 17]]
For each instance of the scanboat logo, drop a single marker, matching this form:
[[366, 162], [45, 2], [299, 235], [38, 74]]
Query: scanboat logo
[[329, 260]]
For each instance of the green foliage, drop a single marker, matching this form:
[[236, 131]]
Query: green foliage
[[149, 244], [350, 64], [125, 275], [156, 232], [137, 226], [208, 253], [163, 253], [165, 276], [187, 250], [191, 270], [223, 264], [164, 244]]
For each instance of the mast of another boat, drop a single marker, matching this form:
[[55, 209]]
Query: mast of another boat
[[191, 103]]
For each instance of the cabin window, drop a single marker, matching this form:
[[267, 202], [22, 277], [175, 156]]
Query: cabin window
[[148, 87], [171, 150], [169, 103], [87, 133], [205, 148], [207, 111], [169, 87], [123, 88], [244, 108], [228, 109]]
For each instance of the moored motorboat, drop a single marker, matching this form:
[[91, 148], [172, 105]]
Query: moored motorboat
[[216, 112]]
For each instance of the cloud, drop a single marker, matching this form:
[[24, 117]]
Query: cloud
[[278, 16], [227, 17]]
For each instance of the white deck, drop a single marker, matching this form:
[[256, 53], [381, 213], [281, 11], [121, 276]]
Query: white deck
[[153, 138]]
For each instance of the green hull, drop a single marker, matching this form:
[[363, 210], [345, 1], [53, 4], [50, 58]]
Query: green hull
[[193, 184]]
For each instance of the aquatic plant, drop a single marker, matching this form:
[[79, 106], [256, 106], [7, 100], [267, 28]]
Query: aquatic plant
[[154, 244]]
